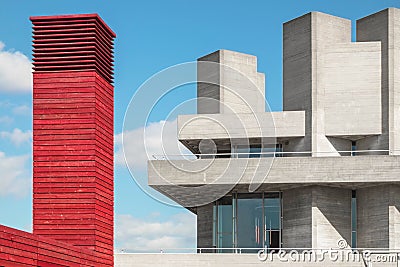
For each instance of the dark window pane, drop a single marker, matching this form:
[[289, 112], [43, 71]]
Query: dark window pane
[[248, 220], [353, 239], [272, 195], [272, 218], [255, 152], [353, 214], [354, 220], [225, 224], [275, 239], [272, 213], [250, 196], [250, 223]]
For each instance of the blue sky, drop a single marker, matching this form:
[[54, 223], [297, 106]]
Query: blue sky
[[151, 35]]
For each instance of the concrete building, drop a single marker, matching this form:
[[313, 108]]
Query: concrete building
[[323, 172]]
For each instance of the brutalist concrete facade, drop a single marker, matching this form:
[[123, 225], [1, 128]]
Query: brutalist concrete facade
[[338, 134]]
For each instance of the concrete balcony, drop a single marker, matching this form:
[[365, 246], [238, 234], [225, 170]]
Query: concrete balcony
[[181, 179], [226, 128]]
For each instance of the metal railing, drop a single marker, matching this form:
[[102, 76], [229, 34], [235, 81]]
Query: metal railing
[[366, 256], [194, 251], [252, 250], [273, 154]]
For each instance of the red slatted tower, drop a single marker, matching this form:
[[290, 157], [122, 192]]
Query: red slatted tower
[[73, 132]]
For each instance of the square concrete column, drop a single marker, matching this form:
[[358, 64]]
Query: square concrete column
[[316, 217], [323, 72], [228, 82], [384, 26], [297, 218], [378, 217], [304, 42], [205, 226]]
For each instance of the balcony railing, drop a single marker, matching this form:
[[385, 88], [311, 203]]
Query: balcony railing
[[351, 153], [287, 256], [250, 250]]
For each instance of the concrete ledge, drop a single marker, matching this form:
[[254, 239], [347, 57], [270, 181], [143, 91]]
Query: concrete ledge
[[245, 125], [221, 260]]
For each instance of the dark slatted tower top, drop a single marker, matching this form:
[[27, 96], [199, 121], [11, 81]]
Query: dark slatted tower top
[[73, 42]]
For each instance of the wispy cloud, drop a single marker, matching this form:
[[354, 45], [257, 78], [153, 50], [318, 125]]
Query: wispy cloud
[[153, 234], [17, 136], [15, 71], [15, 177], [6, 120], [23, 110], [158, 138]]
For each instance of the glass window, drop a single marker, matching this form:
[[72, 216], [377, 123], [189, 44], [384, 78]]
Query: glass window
[[272, 211], [354, 220], [268, 152], [215, 225], [353, 148], [225, 223], [255, 151], [272, 219], [272, 150], [248, 221], [241, 151], [279, 150]]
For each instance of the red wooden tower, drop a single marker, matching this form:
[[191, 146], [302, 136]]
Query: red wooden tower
[[73, 132], [73, 125]]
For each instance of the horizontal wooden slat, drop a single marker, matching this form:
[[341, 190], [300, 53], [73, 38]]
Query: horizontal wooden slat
[[19, 248], [88, 34]]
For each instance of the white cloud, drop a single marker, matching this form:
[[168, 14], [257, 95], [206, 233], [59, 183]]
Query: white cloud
[[158, 138], [17, 137], [15, 178], [22, 110], [150, 235], [6, 120], [15, 71]]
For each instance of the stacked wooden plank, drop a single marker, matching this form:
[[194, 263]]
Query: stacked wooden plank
[[22, 249]]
